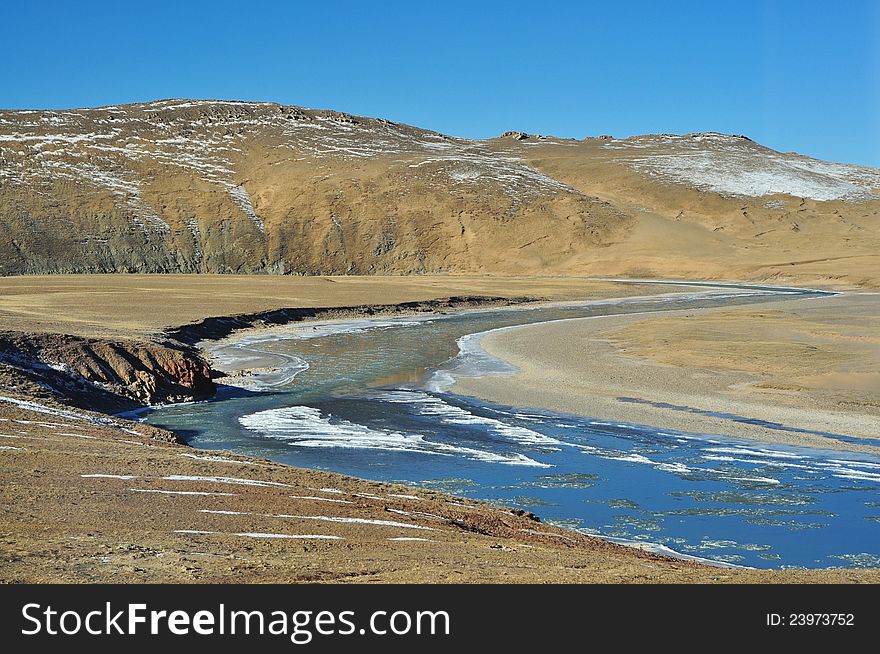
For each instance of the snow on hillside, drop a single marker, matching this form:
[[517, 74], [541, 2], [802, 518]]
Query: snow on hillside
[[119, 149], [733, 165], [123, 149]]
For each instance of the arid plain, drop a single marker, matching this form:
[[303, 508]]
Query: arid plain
[[92, 498]]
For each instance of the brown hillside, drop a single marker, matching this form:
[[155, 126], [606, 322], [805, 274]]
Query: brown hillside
[[217, 186]]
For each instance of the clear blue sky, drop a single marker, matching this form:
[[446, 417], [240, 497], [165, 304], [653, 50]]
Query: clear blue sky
[[799, 76]]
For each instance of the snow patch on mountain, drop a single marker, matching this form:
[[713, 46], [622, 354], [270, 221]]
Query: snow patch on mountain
[[735, 166]]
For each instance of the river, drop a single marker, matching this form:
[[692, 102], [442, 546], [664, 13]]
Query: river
[[368, 398]]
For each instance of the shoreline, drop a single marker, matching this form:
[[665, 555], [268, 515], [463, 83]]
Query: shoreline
[[152, 511], [619, 409], [597, 386], [217, 328], [697, 571], [250, 331], [251, 337]]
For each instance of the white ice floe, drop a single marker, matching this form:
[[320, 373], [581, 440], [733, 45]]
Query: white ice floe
[[362, 521], [224, 480], [673, 467], [762, 462], [404, 496], [100, 475], [858, 475], [751, 452], [305, 426], [299, 536], [430, 405], [857, 464], [10, 447], [632, 457], [840, 468], [757, 480], [173, 492]]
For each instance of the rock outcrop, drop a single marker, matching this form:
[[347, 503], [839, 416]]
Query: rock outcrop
[[101, 374], [516, 136]]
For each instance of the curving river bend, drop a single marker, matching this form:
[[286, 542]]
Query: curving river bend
[[366, 398]]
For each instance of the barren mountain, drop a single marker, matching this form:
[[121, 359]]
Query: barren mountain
[[218, 186]]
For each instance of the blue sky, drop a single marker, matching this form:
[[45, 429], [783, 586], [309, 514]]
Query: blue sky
[[801, 76]]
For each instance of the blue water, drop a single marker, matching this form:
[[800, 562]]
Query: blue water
[[368, 405]]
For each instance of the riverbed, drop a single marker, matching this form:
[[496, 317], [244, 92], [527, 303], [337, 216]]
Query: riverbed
[[369, 398]]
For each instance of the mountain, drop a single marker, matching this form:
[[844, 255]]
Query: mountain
[[248, 187]]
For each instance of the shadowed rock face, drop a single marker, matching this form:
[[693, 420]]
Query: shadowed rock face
[[104, 374], [257, 187]]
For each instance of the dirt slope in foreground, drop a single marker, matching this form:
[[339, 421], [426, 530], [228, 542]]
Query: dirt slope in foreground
[[86, 502]]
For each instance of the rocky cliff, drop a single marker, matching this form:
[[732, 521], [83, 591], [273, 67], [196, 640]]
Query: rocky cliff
[[101, 374]]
